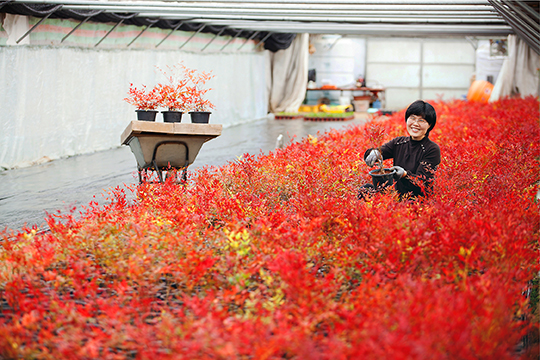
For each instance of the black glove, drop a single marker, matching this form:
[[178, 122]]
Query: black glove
[[399, 172], [373, 156]]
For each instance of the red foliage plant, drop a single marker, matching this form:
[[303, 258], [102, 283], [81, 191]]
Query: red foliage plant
[[195, 95], [184, 89], [142, 98], [174, 93], [274, 257], [375, 140]]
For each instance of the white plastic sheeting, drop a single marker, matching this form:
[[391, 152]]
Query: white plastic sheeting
[[16, 26], [58, 102], [519, 72], [288, 72]]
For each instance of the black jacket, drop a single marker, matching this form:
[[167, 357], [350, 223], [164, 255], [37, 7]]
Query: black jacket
[[419, 158]]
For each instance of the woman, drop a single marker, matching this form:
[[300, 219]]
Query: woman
[[416, 157]]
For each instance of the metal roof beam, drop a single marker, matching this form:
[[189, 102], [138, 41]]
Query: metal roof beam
[[305, 5], [366, 2], [352, 17], [507, 13], [369, 29], [478, 12], [285, 7], [525, 32], [524, 16], [326, 19], [287, 12], [273, 2], [529, 9]]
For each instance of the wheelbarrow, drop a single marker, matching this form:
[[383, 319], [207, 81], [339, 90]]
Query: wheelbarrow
[[166, 147]]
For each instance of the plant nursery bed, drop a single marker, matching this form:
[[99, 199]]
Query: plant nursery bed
[[288, 116], [273, 256]]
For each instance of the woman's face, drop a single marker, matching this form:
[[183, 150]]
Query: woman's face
[[417, 127]]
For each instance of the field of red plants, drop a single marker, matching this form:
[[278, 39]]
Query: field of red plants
[[274, 257]]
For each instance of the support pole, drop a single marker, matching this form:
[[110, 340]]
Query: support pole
[[33, 27], [169, 34], [146, 28], [264, 39], [472, 41], [191, 37], [530, 21], [110, 31], [529, 9], [231, 39], [250, 38], [219, 33], [75, 28], [521, 28], [335, 42]]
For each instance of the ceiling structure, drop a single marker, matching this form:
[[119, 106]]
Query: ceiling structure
[[523, 17], [277, 21]]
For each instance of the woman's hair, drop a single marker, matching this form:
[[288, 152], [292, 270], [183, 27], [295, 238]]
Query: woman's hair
[[425, 110]]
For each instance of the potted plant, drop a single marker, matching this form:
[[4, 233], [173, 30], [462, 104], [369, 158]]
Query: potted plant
[[146, 102], [382, 177], [173, 93], [173, 97], [199, 107]]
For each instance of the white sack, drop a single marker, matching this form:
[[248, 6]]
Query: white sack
[[487, 65]]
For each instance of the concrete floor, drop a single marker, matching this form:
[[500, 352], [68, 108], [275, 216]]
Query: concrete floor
[[27, 194]]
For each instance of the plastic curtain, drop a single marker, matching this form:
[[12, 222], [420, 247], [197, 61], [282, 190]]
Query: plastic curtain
[[287, 76], [519, 72]]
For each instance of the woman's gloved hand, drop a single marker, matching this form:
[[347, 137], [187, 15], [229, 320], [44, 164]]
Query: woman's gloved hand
[[373, 157], [400, 172]]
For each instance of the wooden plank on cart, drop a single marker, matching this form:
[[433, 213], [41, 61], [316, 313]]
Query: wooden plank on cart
[[149, 127]]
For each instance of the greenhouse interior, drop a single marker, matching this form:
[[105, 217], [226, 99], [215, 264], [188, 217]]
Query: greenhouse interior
[[269, 179]]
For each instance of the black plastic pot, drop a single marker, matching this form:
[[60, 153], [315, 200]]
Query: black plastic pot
[[382, 181], [172, 116], [146, 115], [200, 117]]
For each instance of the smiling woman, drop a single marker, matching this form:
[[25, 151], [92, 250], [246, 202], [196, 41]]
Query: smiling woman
[[417, 127], [416, 157]]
